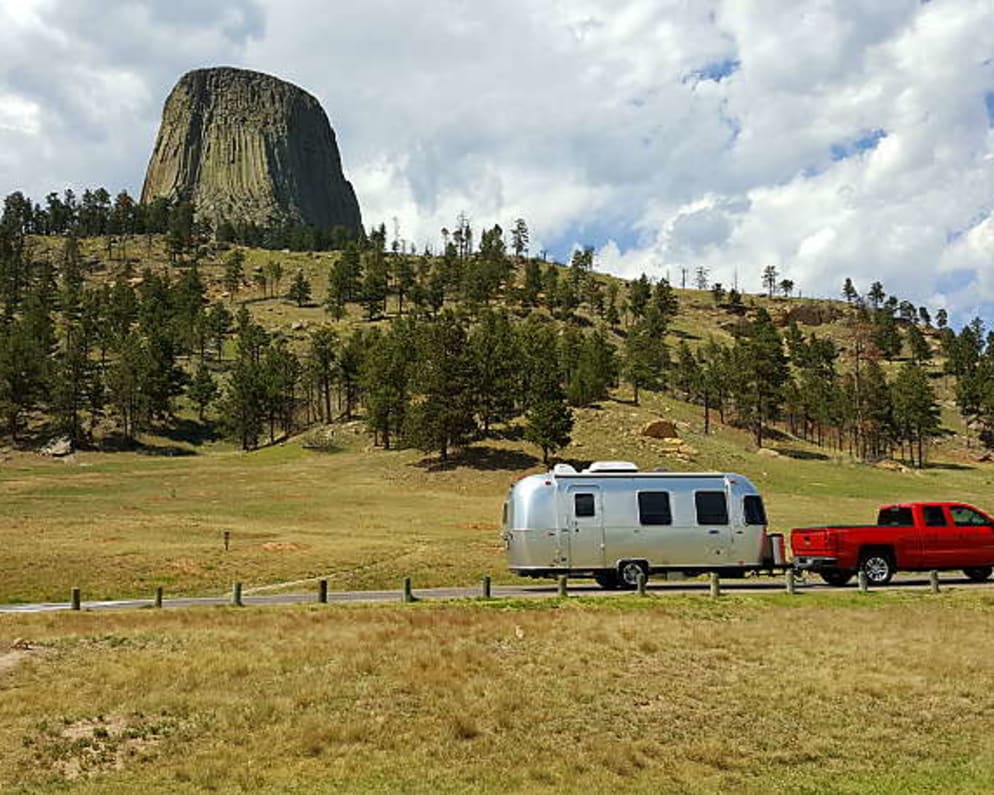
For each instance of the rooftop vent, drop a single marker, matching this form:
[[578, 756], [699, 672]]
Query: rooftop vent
[[563, 469], [612, 466]]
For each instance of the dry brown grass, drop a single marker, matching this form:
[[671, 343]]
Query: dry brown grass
[[887, 693]]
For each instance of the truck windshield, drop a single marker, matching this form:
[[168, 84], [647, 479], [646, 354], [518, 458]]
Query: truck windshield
[[895, 516]]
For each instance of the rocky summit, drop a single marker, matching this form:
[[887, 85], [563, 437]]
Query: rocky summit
[[248, 147]]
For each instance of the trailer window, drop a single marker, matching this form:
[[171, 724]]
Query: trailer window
[[966, 517], [712, 508], [934, 516], [754, 511], [654, 508], [895, 516], [583, 504]]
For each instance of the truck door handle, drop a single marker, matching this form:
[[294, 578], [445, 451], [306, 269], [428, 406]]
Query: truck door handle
[[713, 532]]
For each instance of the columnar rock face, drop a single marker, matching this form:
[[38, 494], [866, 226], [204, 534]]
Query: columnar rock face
[[248, 147]]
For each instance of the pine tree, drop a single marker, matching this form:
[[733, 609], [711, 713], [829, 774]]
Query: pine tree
[[322, 357], [761, 374], [300, 289], [374, 285], [234, 271], [441, 415], [548, 420], [533, 283], [497, 362], [385, 377], [645, 359], [202, 390], [916, 412]]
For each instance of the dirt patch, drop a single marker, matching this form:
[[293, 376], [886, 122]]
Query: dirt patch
[[479, 526], [186, 566], [89, 746], [17, 652], [282, 546]]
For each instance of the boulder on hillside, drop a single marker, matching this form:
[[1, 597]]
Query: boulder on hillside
[[767, 452], [58, 447], [660, 429], [811, 314]]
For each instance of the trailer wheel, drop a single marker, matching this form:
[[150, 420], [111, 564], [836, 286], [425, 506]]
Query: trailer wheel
[[608, 580], [629, 570], [835, 577], [877, 566], [979, 573]]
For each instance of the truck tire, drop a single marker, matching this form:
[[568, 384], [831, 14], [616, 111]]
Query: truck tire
[[978, 573], [628, 572], [878, 566], [608, 580], [835, 577]]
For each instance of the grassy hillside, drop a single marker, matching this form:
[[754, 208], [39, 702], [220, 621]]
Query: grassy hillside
[[119, 524]]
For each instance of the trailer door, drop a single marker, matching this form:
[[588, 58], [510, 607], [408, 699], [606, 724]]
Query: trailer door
[[713, 525], [581, 536]]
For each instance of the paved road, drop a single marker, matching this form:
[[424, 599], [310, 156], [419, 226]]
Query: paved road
[[579, 588]]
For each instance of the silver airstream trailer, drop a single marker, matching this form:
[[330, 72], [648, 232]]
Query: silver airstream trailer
[[613, 522]]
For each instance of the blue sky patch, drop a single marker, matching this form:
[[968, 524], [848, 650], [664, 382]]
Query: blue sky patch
[[594, 234], [715, 71], [989, 104], [952, 235], [864, 143]]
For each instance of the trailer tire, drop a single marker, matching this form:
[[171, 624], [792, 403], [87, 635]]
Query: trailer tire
[[877, 565], [628, 572], [978, 573], [835, 577], [608, 580]]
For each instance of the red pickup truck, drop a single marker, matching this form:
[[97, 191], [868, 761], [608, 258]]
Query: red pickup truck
[[916, 536]]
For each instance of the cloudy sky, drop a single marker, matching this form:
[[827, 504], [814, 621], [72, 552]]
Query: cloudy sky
[[829, 138]]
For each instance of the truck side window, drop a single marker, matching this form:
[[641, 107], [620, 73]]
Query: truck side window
[[583, 504], [934, 516], [895, 516], [712, 508], [654, 508], [754, 511], [964, 517]]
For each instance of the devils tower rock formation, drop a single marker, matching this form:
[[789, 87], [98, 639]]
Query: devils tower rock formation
[[248, 147]]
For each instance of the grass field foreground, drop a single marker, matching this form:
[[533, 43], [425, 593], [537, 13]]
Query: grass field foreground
[[840, 693]]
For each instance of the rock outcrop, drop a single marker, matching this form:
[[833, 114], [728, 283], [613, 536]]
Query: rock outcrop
[[248, 147]]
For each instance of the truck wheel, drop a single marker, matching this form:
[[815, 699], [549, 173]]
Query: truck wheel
[[878, 567], [628, 573], [979, 573], [835, 577], [608, 580]]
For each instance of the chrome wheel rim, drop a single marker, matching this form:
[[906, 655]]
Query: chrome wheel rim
[[877, 569], [630, 573]]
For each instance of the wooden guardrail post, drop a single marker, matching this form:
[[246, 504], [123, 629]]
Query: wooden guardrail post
[[640, 583], [323, 592], [485, 587], [562, 586], [715, 585], [227, 539], [408, 595], [158, 597], [933, 581], [864, 582], [236, 595], [790, 582], [74, 599]]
